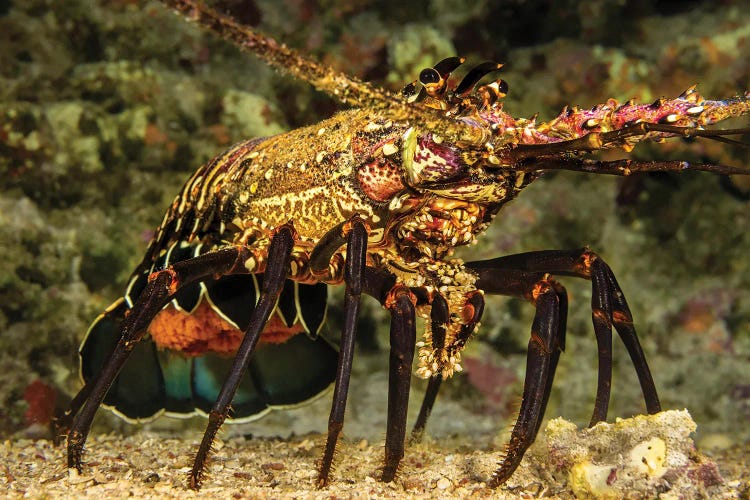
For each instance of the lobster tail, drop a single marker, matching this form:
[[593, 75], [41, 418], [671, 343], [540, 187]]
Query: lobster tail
[[160, 380]]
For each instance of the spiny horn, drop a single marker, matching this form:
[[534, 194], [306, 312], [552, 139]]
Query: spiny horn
[[476, 74], [448, 65]]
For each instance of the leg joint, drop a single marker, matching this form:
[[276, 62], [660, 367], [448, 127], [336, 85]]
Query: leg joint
[[394, 295]]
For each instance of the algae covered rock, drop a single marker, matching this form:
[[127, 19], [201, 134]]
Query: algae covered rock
[[643, 456]]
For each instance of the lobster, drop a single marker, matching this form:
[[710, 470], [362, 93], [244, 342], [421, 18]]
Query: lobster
[[233, 284]]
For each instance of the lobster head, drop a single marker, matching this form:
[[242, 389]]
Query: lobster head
[[464, 155], [470, 149], [451, 168]]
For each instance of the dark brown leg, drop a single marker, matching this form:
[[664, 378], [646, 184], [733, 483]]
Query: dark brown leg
[[623, 321], [403, 338], [356, 252], [540, 365], [430, 395], [562, 322], [439, 319], [277, 269], [159, 291], [61, 423], [335, 238], [601, 315], [474, 308], [609, 308], [546, 343], [512, 275]]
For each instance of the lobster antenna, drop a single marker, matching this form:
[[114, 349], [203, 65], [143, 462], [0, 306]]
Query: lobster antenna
[[624, 167], [340, 86]]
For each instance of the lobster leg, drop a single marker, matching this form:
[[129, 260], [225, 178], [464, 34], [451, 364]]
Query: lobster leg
[[526, 274], [277, 269], [545, 345], [609, 308], [439, 319], [562, 322], [163, 285], [541, 362], [62, 422], [475, 306], [430, 395], [400, 301], [356, 251]]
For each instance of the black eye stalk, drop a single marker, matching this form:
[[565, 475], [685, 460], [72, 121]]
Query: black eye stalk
[[474, 75]]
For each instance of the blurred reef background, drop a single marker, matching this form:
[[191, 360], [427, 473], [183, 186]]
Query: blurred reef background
[[106, 107]]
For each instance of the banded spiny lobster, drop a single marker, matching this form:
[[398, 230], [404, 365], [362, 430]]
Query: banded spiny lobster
[[375, 198]]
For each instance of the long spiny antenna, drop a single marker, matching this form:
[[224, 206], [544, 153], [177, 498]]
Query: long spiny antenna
[[340, 86]]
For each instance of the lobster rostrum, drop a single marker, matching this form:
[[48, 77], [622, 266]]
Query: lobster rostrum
[[230, 297]]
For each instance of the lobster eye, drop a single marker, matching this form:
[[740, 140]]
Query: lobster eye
[[429, 75]]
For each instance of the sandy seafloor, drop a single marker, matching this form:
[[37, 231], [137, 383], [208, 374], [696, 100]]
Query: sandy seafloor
[[146, 465]]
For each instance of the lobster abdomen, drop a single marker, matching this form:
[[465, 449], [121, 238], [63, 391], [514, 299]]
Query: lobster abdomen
[[292, 363]]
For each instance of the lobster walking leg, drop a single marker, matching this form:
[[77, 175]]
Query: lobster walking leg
[[439, 317], [356, 251], [62, 422], [526, 275], [162, 286], [277, 269], [430, 396], [400, 301], [403, 338], [562, 324], [541, 362], [545, 345], [609, 308], [474, 308]]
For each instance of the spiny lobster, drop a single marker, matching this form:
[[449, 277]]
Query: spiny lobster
[[375, 198]]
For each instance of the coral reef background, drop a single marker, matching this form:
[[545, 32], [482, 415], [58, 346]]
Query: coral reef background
[[106, 107]]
